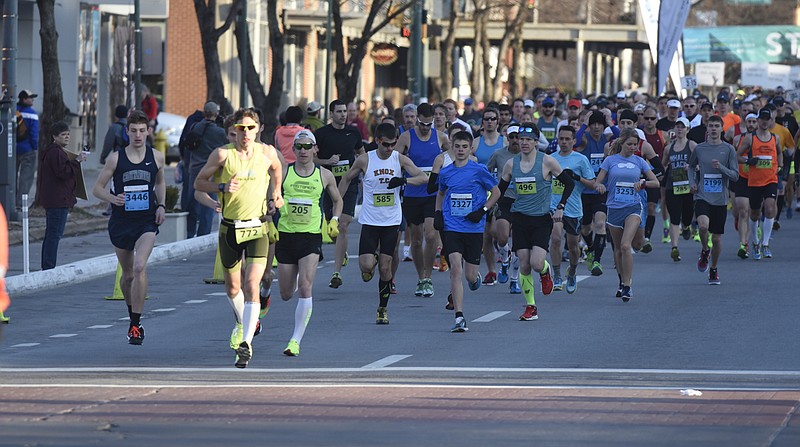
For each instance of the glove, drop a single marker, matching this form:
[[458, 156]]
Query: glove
[[396, 181], [476, 215], [272, 232], [333, 228], [752, 161], [438, 221]]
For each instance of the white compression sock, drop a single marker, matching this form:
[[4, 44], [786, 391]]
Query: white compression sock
[[514, 267], [302, 314], [237, 303], [754, 232], [766, 230], [266, 291], [250, 320], [503, 251]]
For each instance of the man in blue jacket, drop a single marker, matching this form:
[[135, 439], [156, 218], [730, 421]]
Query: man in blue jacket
[[27, 143]]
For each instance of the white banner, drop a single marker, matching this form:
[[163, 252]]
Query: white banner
[[710, 73], [672, 16], [769, 76]]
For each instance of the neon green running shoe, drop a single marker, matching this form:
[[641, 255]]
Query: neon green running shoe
[[589, 260], [292, 349], [236, 336]]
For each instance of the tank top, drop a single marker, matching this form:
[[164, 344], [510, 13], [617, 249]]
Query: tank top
[[447, 161], [766, 170], [422, 153], [678, 178], [485, 151], [137, 181], [744, 168], [302, 198], [250, 201], [533, 191], [381, 207], [594, 151], [657, 141]]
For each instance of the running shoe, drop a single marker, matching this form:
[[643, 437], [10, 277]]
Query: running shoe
[[697, 236], [513, 288], [136, 335], [407, 254], [756, 252], [686, 233], [336, 281], [619, 290], [443, 266], [596, 269], [626, 294], [713, 277], [292, 349], [428, 288], [531, 313], [449, 305], [236, 336], [475, 285], [258, 328], [572, 280], [383, 316], [742, 253], [558, 284], [264, 306], [590, 260], [490, 279], [766, 251], [243, 355], [394, 289], [420, 288], [675, 254], [367, 276], [461, 325], [502, 277], [647, 247], [547, 280], [665, 239], [346, 259], [776, 226], [702, 262]]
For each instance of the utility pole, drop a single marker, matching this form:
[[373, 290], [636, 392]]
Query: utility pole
[[328, 47], [243, 54], [137, 39], [416, 52], [8, 164]]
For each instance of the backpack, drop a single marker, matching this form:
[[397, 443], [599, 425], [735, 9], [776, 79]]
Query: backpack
[[22, 128], [124, 141], [193, 138]]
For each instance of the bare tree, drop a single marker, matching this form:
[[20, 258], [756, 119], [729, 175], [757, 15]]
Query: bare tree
[[349, 60], [444, 83], [209, 37], [53, 108], [512, 30]]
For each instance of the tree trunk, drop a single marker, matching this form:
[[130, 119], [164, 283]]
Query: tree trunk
[[476, 74], [516, 83], [53, 108], [209, 37], [512, 30], [443, 85], [487, 54]]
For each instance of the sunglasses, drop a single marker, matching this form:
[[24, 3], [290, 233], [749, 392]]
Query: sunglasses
[[245, 126], [306, 146], [490, 118], [512, 136], [650, 118], [690, 105], [389, 143], [526, 130], [425, 124]]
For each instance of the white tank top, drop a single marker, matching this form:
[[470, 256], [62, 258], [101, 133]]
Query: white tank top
[[447, 160], [381, 205]]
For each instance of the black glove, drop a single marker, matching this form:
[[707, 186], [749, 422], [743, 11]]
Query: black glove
[[396, 181], [752, 161], [438, 221], [476, 215]]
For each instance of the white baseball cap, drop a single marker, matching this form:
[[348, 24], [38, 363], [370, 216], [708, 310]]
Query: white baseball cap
[[683, 121], [674, 103], [307, 134], [529, 103]]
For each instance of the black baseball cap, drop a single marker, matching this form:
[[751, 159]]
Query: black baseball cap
[[24, 94], [764, 114], [723, 97]]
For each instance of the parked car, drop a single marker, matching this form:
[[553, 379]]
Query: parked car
[[172, 125]]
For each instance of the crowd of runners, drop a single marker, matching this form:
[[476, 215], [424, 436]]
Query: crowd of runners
[[503, 184]]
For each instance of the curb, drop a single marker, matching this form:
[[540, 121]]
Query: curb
[[93, 268]]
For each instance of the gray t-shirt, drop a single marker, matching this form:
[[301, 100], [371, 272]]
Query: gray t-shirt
[[712, 183], [495, 165]]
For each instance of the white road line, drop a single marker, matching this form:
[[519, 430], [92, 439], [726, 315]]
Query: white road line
[[386, 361], [195, 301], [491, 316], [125, 319], [580, 278], [100, 326], [63, 335], [217, 294], [164, 309], [25, 345]]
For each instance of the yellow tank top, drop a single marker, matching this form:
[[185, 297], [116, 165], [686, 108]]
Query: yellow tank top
[[302, 197], [250, 201]]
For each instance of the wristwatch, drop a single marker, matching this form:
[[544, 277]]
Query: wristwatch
[[560, 206], [485, 210], [221, 187]]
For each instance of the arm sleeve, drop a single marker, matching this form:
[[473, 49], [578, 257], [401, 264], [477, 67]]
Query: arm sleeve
[[579, 134], [433, 183], [692, 163], [569, 185], [503, 185], [732, 169], [658, 168]]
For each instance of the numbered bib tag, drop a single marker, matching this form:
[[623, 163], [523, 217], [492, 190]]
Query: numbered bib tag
[[680, 181], [596, 160], [340, 168], [558, 187], [625, 192], [299, 211], [460, 204], [712, 183], [764, 162], [383, 199], [427, 170], [137, 198], [247, 230], [525, 185]]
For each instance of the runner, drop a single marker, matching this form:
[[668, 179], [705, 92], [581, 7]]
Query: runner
[[483, 148], [679, 197], [137, 198], [578, 166], [421, 145], [740, 190], [243, 175], [533, 173], [622, 171], [659, 139], [461, 206], [299, 246], [338, 146], [381, 211], [715, 161], [591, 145]]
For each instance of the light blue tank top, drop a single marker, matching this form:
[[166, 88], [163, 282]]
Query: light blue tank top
[[484, 151], [533, 191]]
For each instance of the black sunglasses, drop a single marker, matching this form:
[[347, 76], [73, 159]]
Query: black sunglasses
[[490, 118], [388, 143], [306, 146], [650, 118], [425, 124]]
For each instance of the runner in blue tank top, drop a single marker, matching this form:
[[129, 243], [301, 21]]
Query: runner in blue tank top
[[490, 142], [594, 205]]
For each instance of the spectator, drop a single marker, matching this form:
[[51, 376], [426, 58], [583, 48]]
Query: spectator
[[471, 116], [312, 120], [183, 166], [377, 112], [27, 143], [116, 137], [284, 135], [355, 121], [208, 136]]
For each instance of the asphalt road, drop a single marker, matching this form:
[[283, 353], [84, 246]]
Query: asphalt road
[[591, 371]]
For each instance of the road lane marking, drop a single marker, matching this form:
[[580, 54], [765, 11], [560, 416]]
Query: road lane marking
[[63, 335], [386, 361], [491, 316], [217, 294], [580, 278], [124, 319], [164, 309], [194, 301], [100, 326], [25, 345]]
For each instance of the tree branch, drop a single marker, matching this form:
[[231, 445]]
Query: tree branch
[[236, 6]]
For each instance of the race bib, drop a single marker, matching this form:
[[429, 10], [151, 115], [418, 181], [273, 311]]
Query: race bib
[[299, 211], [383, 199], [680, 181], [596, 160], [427, 170], [712, 183], [625, 192], [460, 204], [340, 168], [558, 187], [764, 162], [137, 198], [525, 185], [247, 230]]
